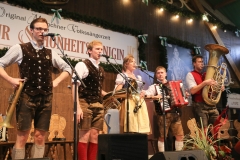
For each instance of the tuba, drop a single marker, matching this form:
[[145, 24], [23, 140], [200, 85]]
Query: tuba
[[13, 99], [212, 94]]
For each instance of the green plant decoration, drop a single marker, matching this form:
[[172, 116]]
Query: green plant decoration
[[3, 51], [203, 140], [188, 14], [106, 67]]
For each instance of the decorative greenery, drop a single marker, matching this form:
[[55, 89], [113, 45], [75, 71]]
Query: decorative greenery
[[145, 1], [186, 13], [73, 61], [109, 68], [3, 51], [174, 41], [41, 8], [106, 67]]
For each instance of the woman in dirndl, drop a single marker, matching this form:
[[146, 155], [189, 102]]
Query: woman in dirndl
[[138, 120]]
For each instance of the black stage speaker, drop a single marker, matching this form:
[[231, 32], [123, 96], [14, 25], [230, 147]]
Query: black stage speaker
[[180, 155], [126, 146]]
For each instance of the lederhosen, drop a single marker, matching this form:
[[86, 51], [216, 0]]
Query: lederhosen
[[173, 120], [36, 98], [91, 98]]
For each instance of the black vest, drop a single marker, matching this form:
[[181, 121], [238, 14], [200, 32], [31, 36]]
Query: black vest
[[36, 66], [94, 81]]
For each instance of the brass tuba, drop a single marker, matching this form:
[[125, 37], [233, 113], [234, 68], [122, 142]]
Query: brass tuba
[[13, 99], [212, 94]]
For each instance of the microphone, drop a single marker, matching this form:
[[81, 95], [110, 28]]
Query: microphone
[[106, 56], [140, 67], [50, 34]]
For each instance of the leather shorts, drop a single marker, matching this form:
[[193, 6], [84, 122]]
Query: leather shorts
[[173, 122], [37, 108], [92, 115]]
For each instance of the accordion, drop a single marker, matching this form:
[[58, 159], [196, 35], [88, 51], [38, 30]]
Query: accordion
[[174, 96]]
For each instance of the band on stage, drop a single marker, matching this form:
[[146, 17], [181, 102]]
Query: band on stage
[[34, 96]]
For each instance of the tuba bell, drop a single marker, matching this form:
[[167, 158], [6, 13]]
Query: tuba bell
[[13, 99], [212, 94]]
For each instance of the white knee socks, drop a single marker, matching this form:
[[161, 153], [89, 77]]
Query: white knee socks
[[160, 146], [178, 145]]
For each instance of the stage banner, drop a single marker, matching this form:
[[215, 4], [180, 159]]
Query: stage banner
[[74, 36]]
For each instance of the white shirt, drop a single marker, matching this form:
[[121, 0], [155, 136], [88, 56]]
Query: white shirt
[[15, 55], [151, 91], [82, 69], [190, 81], [121, 80]]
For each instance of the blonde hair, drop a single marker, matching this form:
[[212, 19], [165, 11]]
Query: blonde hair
[[93, 43], [126, 61], [158, 68]]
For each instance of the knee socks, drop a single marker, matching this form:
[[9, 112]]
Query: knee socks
[[37, 151], [18, 153], [178, 145], [89, 153], [161, 146], [92, 151], [82, 151]]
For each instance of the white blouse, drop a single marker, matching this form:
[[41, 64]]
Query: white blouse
[[121, 80]]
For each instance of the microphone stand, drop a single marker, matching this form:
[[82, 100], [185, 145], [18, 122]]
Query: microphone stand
[[165, 90], [164, 116], [75, 138], [146, 73], [128, 86]]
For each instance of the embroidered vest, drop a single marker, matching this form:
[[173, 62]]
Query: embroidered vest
[[94, 81], [36, 66]]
